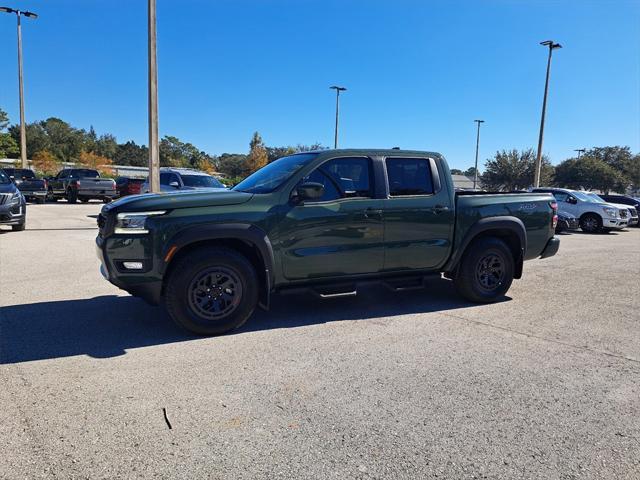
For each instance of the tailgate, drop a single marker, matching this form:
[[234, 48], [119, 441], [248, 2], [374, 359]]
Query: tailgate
[[32, 185], [96, 185]]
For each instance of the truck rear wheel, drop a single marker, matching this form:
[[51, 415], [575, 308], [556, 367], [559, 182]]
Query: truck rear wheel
[[486, 270], [211, 291]]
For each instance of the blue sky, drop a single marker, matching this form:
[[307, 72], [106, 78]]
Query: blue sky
[[418, 72]]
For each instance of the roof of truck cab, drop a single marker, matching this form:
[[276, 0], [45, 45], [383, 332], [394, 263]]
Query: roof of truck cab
[[374, 151]]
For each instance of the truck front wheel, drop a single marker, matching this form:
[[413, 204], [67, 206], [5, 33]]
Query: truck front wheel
[[486, 270], [211, 291]]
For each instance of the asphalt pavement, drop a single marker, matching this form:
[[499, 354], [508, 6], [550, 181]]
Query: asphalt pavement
[[420, 384]]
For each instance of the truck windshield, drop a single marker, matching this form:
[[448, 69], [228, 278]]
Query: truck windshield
[[4, 178], [270, 177]]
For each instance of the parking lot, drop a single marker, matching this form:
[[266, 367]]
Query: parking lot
[[420, 384]]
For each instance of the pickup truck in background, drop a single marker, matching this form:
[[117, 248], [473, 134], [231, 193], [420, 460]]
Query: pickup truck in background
[[31, 187], [325, 221], [81, 184]]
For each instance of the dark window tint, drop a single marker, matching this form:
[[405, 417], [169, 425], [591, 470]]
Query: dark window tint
[[167, 177], [409, 176], [348, 177], [203, 181], [84, 173], [560, 196]]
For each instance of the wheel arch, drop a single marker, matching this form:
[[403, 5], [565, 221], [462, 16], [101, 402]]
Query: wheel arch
[[509, 229], [248, 240]]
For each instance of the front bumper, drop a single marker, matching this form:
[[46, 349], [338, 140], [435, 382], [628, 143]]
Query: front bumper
[[551, 248], [615, 223], [113, 251], [12, 214]]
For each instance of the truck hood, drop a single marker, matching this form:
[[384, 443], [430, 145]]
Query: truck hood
[[179, 199]]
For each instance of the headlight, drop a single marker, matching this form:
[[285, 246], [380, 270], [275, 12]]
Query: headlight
[[16, 199], [133, 223], [612, 212]]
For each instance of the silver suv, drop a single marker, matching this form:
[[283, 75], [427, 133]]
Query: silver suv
[[594, 216], [172, 179]]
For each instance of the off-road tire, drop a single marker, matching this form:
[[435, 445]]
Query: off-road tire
[[486, 270], [185, 290]]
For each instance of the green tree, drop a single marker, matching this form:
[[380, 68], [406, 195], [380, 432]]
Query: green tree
[[620, 159], [258, 156], [232, 165], [470, 172], [589, 173], [130, 153], [514, 170], [456, 171], [4, 120]]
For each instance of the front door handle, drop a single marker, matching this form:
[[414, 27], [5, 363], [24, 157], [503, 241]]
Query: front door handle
[[438, 209]]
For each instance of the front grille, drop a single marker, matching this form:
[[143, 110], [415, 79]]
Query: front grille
[[623, 213], [634, 212], [4, 197]]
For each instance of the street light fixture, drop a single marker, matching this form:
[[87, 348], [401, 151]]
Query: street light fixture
[[23, 132], [552, 46], [338, 90], [580, 151], [475, 174]]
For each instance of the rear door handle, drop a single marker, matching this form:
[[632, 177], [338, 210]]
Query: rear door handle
[[371, 211]]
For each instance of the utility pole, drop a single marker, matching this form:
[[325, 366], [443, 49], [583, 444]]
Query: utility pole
[[338, 90], [23, 131], [154, 148], [475, 174], [580, 151], [552, 46]]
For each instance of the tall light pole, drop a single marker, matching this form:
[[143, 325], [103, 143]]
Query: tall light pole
[[338, 90], [154, 148], [475, 174], [23, 131], [580, 150], [552, 46]]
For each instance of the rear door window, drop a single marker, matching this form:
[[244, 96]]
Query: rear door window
[[409, 176]]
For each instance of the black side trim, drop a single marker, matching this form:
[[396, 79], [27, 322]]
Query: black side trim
[[236, 231], [503, 223]]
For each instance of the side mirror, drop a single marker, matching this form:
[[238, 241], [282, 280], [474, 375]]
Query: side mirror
[[12, 178], [572, 200], [309, 191], [174, 184]]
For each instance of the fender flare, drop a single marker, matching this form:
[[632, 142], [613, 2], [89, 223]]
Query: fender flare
[[503, 223], [248, 233]]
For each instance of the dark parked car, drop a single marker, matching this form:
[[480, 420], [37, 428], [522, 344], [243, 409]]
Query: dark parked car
[[32, 187], [81, 184], [327, 221], [624, 200], [129, 186], [13, 206], [567, 222]]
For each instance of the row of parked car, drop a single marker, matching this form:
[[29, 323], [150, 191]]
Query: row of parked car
[[593, 212], [578, 209]]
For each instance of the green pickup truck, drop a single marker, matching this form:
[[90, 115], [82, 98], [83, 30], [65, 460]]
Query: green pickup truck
[[325, 221]]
